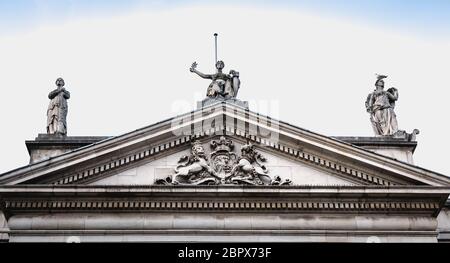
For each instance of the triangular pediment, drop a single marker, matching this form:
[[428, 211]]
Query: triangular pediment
[[291, 152], [276, 165]]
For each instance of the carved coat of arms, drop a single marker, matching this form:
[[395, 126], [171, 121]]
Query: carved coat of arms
[[222, 166]]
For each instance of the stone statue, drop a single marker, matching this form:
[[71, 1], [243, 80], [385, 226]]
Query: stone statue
[[194, 169], [235, 82], [57, 109], [223, 85], [380, 104], [249, 168]]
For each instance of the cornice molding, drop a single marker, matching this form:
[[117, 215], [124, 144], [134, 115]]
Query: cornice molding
[[289, 199], [344, 206]]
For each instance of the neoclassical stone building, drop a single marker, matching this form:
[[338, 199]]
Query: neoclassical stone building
[[223, 173]]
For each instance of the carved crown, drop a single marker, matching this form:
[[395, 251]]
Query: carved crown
[[197, 147], [223, 144]]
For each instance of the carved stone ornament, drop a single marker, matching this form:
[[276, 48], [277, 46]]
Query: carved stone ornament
[[222, 167], [224, 86], [380, 104]]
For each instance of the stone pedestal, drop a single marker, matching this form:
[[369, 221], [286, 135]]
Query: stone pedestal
[[398, 147], [50, 145], [211, 101]]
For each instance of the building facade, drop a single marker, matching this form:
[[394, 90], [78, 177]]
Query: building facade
[[223, 173]]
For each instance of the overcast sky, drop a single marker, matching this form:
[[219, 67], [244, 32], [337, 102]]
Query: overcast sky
[[309, 63]]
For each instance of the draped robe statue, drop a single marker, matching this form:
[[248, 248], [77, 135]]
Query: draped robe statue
[[380, 104], [57, 109]]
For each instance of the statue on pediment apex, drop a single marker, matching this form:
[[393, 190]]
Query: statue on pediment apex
[[224, 86]]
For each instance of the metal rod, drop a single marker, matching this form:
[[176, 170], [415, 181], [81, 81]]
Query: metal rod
[[215, 46]]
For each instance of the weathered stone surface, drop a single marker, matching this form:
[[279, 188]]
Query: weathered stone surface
[[121, 152], [444, 223], [217, 221], [380, 104], [224, 227], [299, 173], [364, 197], [401, 149], [222, 166], [223, 85], [145, 174], [64, 219], [50, 145], [229, 236], [57, 109], [4, 229], [210, 101]]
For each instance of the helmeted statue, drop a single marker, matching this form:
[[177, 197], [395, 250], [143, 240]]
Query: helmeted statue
[[57, 109], [380, 104], [223, 85]]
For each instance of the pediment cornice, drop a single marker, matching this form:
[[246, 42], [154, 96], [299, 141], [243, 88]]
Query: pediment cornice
[[324, 152]]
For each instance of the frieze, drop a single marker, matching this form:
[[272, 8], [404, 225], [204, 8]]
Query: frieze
[[344, 206]]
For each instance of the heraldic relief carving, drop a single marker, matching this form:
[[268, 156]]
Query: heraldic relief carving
[[222, 166]]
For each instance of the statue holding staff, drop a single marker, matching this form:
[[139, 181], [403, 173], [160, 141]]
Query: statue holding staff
[[223, 85]]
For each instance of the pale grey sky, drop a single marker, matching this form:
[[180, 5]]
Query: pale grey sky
[[131, 69]]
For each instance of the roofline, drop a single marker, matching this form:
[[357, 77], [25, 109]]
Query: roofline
[[60, 190], [46, 162]]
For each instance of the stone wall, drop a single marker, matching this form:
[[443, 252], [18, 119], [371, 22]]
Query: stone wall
[[444, 224], [4, 229], [221, 227]]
